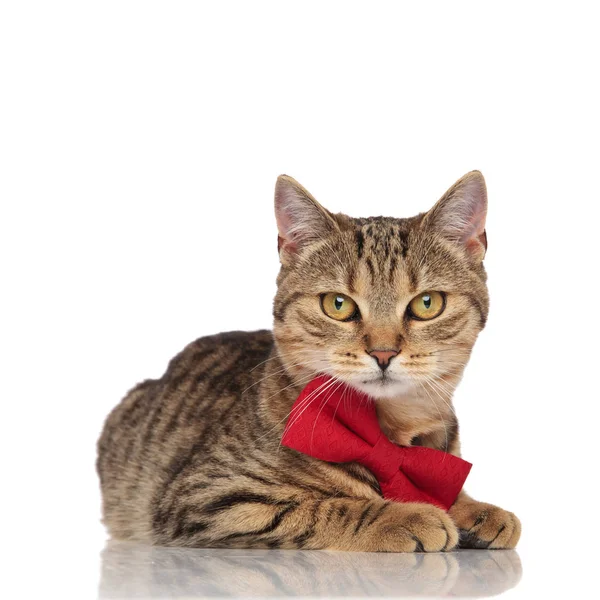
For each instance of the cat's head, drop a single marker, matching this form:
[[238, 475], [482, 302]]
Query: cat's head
[[386, 305]]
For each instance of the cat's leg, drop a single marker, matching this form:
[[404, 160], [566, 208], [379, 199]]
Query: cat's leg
[[378, 525], [251, 520], [483, 525]]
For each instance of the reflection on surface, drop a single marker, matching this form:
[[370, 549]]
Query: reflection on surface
[[138, 571]]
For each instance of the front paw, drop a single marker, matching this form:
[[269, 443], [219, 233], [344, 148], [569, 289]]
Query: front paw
[[484, 525], [413, 527]]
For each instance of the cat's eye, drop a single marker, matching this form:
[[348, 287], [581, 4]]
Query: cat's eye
[[339, 307], [427, 305]]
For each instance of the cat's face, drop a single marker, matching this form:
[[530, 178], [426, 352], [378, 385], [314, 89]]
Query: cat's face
[[386, 305]]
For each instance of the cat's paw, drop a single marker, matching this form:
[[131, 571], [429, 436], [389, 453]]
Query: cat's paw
[[420, 528], [484, 525]]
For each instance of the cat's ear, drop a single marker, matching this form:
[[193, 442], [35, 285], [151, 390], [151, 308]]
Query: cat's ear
[[301, 220], [460, 214]]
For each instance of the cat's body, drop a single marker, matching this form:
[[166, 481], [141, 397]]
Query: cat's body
[[194, 458]]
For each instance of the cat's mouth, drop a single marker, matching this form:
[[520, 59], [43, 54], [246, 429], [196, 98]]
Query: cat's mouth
[[382, 380], [383, 386]]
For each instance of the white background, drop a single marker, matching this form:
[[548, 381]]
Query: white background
[[139, 146]]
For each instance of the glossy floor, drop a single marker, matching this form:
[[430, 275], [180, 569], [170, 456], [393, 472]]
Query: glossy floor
[[138, 571]]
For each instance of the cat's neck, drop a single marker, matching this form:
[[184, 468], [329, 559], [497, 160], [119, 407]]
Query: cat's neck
[[416, 418]]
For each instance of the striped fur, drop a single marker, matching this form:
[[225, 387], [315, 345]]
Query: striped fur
[[194, 459]]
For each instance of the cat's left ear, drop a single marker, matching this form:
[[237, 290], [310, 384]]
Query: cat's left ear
[[460, 214]]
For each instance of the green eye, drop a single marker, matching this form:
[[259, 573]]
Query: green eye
[[427, 305], [338, 306]]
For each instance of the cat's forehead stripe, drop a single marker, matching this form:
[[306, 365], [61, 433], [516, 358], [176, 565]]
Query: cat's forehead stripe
[[387, 240]]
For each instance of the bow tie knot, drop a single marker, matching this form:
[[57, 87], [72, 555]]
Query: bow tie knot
[[382, 459], [335, 423]]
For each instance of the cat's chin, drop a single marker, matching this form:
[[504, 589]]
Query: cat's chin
[[385, 388]]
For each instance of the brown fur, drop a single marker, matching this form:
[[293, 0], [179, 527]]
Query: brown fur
[[194, 459]]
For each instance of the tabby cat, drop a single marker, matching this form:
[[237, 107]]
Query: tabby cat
[[389, 306]]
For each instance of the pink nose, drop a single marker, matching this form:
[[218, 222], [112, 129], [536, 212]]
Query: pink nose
[[383, 357]]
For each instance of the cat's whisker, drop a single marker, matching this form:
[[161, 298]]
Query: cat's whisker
[[323, 387], [439, 412], [305, 400], [309, 400], [444, 386], [342, 398], [437, 393], [442, 370], [452, 373], [434, 385], [278, 372], [325, 401], [438, 367], [303, 380]]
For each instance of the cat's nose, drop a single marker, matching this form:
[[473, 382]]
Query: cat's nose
[[383, 357]]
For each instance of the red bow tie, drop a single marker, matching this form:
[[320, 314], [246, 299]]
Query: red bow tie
[[336, 423]]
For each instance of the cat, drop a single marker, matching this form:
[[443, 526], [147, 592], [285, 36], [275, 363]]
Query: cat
[[390, 306]]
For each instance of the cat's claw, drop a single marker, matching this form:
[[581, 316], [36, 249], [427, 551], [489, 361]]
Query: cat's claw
[[484, 525]]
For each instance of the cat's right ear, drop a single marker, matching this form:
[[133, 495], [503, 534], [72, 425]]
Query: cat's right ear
[[301, 220]]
